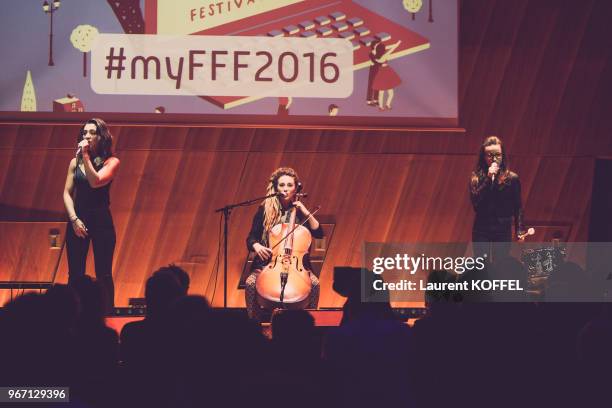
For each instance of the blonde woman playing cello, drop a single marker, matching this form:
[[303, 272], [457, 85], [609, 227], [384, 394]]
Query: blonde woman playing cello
[[274, 211]]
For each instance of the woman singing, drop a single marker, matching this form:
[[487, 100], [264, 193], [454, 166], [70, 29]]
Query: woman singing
[[87, 200], [496, 196], [273, 211]]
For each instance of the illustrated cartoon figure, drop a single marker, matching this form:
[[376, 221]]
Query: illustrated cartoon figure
[[371, 95], [384, 78], [333, 110], [284, 102]]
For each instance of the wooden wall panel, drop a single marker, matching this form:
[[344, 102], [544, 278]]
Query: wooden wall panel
[[535, 72], [163, 204], [27, 254]]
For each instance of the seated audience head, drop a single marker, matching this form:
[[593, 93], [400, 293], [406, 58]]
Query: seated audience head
[[292, 326], [91, 298], [347, 281], [62, 306], [179, 273], [438, 296], [161, 290]]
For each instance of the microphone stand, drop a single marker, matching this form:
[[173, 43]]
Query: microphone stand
[[225, 213], [284, 276]]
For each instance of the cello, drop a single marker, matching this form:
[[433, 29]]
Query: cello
[[285, 281]]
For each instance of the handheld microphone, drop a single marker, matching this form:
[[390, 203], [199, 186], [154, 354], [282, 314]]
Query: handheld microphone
[[493, 177], [79, 150]]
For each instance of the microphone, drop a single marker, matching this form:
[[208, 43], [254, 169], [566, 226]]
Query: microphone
[[79, 150], [298, 195], [493, 177]]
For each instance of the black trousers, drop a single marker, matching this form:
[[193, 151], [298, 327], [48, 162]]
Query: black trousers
[[101, 233], [491, 243]]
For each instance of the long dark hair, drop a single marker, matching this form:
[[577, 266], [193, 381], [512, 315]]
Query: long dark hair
[[481, 169], [104, 147], [378, 49]]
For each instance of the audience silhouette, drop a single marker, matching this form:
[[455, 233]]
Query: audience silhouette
[[186, 354]]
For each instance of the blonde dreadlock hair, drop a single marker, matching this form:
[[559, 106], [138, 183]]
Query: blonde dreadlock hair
[[272, 205]]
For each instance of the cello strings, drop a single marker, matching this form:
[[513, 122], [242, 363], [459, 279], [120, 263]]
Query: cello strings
[[317, 208]]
